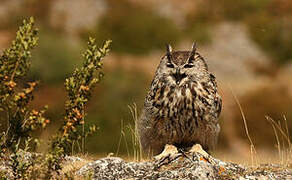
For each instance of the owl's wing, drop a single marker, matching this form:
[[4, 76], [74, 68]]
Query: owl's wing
[[217, 97], [151, 94]]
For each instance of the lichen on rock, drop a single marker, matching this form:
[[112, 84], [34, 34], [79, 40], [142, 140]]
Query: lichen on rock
[[183, 166]]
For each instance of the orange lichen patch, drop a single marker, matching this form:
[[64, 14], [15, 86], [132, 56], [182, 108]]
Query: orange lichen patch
[[203, 159], [221, 170]]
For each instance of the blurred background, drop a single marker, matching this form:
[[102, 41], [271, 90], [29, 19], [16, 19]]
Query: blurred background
[[247, 45]]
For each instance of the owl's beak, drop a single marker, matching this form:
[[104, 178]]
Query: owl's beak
[[178, 76]]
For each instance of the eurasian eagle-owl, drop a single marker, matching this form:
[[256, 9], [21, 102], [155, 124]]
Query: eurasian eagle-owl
[[182, 106]]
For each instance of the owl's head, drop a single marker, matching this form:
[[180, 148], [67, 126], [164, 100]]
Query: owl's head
[[181, 66]]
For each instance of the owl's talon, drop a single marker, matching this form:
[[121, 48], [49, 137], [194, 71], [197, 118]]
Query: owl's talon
[[197, 148], [169, 154], [169, 150]]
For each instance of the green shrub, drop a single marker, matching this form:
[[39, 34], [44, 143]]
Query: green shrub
[[72, 134], [22, 120], [79, 87], [15, 99]]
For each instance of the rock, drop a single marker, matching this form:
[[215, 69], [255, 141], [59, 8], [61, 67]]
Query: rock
[[22, 161], [72, 159], [184, 166], [114, 167]]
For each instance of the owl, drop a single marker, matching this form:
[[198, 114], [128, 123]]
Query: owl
[[182, 106]]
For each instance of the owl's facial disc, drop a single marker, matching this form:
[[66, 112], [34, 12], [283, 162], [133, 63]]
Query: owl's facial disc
[[176, 69]]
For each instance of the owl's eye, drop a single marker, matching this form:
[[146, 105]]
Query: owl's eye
[[188, 65], [169, 65]]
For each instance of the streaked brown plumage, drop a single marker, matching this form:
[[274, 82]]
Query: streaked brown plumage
[[182, 106]]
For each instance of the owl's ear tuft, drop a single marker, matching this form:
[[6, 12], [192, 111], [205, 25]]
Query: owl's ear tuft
[[193, 52], [168, 49], [194, 48]]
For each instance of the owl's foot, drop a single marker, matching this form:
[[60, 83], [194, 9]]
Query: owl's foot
[[197, 148], [169, 154], [168, 151]]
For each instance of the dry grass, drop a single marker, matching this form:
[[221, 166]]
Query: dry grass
[[134, 134], [252, 146], [282, 136], [75, 166], [283, 157], [135, 153]]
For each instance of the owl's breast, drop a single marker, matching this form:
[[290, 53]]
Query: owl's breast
[[190, 103]]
